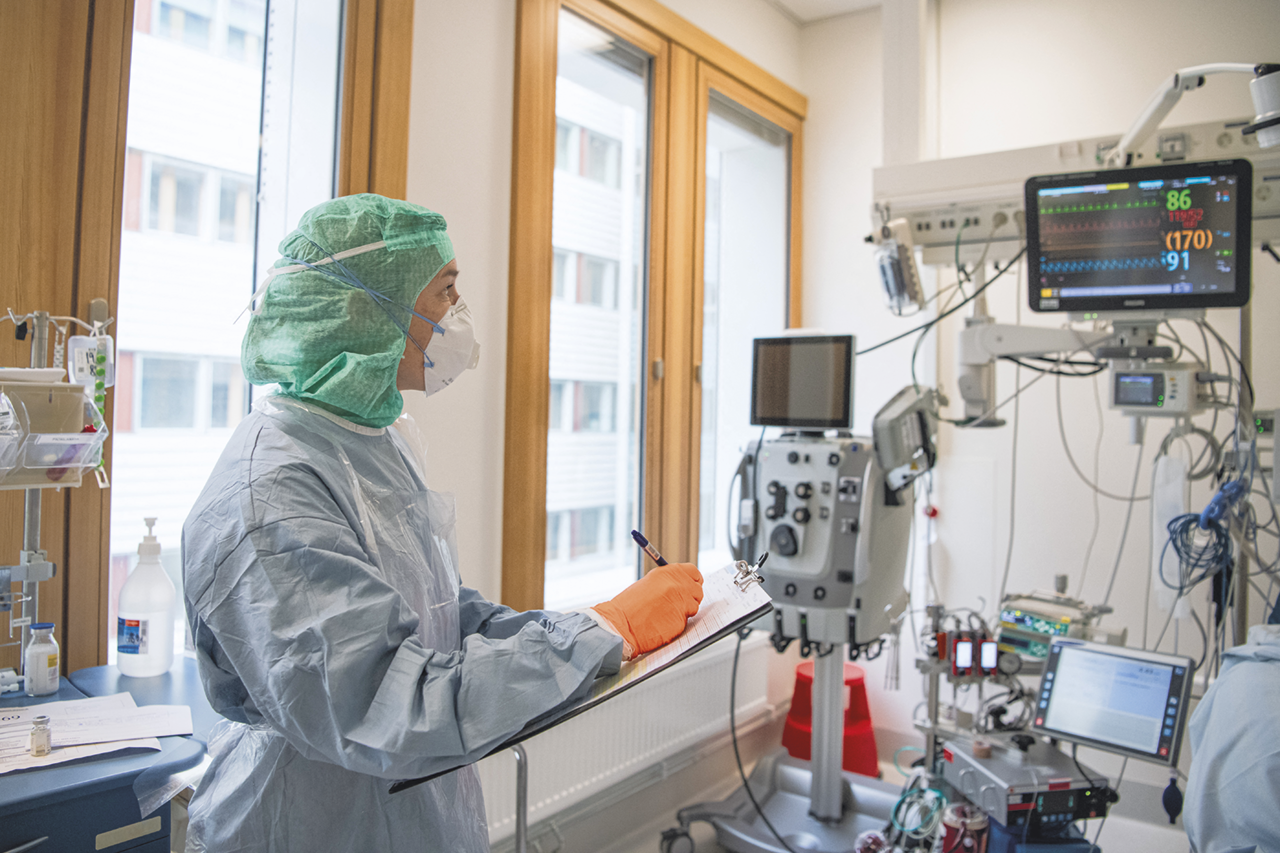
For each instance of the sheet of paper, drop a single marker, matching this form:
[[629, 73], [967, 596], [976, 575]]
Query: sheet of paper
[[84, 727], [11, 760], [722, 604]]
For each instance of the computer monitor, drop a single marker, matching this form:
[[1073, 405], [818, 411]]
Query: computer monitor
[[803, 381], [1171, 236], [1116, 699]]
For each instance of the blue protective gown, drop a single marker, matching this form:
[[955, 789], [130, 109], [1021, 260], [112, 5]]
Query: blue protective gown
[[331, 629], [1233, 788]]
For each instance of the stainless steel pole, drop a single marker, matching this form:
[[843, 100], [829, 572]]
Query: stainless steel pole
[[1240, 625], [522, 799], [827, 747], [31, 508]]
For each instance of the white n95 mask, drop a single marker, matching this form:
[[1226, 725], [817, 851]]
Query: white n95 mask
[[451, 350]]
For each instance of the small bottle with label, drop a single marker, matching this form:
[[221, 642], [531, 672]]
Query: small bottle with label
[[41, 739], [40, 667], [144, 630]]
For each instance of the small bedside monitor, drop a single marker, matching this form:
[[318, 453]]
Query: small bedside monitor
[[1116, 699]]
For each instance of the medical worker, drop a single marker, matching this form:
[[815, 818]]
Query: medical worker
[[321, 576]]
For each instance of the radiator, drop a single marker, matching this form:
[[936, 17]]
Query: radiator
[[672, 713]]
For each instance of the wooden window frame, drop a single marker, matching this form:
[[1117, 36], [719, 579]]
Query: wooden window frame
[[65, 78], [687, 63]]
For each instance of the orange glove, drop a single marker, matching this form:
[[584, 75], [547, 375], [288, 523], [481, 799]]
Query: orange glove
[[652, 611]]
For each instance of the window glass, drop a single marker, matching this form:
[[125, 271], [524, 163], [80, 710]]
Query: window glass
[[745, 280], [600, 160], [167, 397], [554, 520], [175, 198], [593, 406], [198, 211], [598, 281], [559, 274], [227, 402], [597, 355], [590, 531], [566, 149], [556, 405], [181, 22], [235, 210]]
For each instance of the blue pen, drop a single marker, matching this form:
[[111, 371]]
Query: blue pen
[[648, 549]]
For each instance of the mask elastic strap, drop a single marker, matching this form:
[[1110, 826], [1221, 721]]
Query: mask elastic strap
[[347, 277]]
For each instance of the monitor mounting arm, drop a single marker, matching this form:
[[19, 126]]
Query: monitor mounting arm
[[982, 341], [1265, 89]]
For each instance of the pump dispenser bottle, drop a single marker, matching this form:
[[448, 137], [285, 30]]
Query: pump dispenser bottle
[[144, 632]]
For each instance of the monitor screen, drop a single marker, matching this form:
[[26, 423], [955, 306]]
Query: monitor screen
[[803, 381], [1116, 699], [1160, 237]]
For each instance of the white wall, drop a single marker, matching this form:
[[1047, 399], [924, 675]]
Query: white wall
[[757, 29], [1013, 74], [460, 165]]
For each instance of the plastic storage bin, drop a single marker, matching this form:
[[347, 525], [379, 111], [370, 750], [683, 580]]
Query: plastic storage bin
[[11, 435], [62, 434]]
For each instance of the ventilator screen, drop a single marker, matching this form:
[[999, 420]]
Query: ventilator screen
[[804, 382], [1113, 698]]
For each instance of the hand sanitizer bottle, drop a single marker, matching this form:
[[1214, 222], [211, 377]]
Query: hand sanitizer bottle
[[144, 631]]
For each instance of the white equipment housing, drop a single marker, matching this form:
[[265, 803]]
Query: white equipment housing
[[959, 196]]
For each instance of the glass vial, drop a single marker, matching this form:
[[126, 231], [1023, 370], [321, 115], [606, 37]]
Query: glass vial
[[41, 663], [41, 740]]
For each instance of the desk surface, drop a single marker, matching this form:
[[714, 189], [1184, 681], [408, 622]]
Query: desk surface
[[33, 788], [179, 686]]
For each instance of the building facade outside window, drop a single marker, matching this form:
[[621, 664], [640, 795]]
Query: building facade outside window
[[196, 134]]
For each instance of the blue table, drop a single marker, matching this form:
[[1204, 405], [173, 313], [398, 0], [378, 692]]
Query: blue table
[[78, 805], [179, 686]]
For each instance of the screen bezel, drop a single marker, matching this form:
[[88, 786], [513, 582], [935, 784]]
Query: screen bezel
[[1243, 170], [845, 421], [1125, 653]]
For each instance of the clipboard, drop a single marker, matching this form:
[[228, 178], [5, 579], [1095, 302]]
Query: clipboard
[[725, 608]]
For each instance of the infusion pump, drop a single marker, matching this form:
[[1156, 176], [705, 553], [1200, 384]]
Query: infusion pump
[[837, 536]]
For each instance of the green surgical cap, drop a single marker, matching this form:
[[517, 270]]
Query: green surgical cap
[[332, 344]]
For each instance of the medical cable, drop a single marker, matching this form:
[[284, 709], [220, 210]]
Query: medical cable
[[342, 274], [928, 804], [1128, 516], [999, 272], [733, 732], [1098, 367], [1062, 432], [1116, 791], [1097, 470], [970, 423], [1231, 353], [906, 774], [1184, 429], [1013, 493]]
